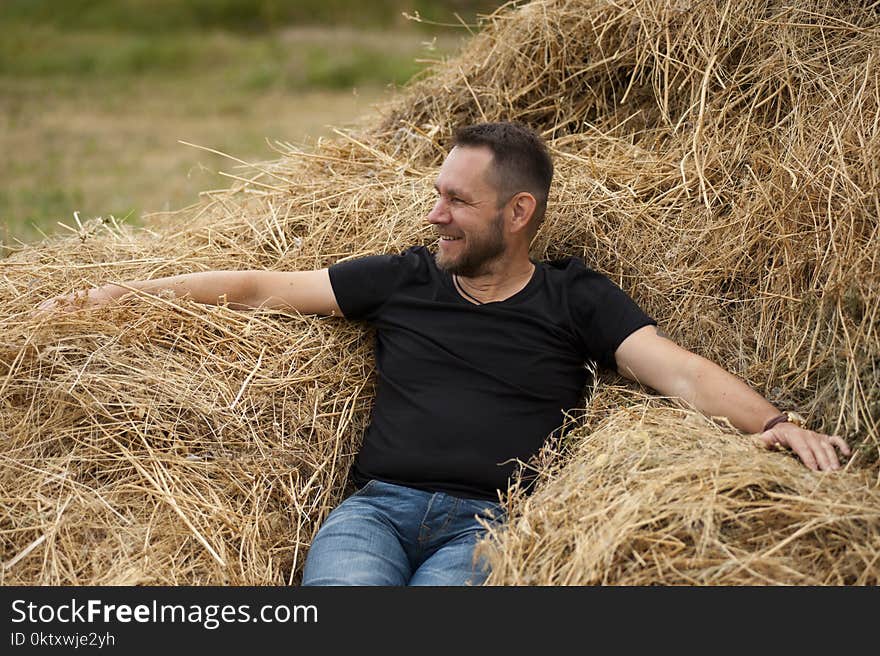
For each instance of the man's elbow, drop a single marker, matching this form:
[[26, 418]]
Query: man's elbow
[[677, 376], [690, 378], [239, 289], [661, 365]]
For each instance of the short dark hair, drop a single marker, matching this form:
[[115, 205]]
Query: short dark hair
[[521, 161]]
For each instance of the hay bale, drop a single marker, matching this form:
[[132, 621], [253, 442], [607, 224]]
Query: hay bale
[[717, 159], [667, 498]]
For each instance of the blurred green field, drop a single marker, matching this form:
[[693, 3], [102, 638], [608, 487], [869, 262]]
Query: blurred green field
[[150, 16], [95, 96]]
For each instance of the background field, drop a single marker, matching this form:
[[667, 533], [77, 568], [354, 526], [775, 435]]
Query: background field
[[95, 96]]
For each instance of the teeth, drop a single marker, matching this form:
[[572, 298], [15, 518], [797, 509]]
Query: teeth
[[446, 238]]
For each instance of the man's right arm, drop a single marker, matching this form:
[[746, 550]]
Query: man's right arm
[[306, 292]]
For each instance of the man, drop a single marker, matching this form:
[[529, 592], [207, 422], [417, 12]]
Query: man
[[479, 352]]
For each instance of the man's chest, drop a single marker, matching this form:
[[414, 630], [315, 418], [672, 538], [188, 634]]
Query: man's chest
[[453, 345]]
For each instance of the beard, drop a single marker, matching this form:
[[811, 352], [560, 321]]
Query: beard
[[479, 251]]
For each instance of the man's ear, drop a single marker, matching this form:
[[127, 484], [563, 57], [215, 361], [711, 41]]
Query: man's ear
[[522, 207]]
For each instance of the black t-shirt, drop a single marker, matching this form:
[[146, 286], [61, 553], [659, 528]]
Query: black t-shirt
[[465, 390]]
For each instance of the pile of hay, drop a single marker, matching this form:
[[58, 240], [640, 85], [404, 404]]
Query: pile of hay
[[665, 497], [719, 160]]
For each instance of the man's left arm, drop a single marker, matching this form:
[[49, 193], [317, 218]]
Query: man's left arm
[[648, 357]]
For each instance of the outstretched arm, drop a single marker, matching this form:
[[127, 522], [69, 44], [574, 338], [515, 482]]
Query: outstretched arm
[[650, 358], [307, 292]]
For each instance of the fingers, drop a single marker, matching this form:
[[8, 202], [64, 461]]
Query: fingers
[[825, 454], [841, 444], [823, 447], [58, 303], [805, 453], [47, 306], [69, 302], [816, 450]]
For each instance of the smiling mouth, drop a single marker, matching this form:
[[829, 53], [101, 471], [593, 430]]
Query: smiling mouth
[[448, 238]]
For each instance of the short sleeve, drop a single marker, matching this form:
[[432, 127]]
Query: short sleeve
[[364, 284], [603, 315]]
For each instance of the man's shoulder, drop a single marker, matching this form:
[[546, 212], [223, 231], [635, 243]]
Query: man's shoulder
[[364, 283], [419, 251], [571, 269], [417, 259], [413, 264], [410, 254], [413, 256]]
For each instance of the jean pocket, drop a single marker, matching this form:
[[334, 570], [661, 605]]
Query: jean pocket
[[489, 511]]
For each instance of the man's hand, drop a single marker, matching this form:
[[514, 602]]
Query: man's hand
[[650, 359], [94, 297], [816, 450]]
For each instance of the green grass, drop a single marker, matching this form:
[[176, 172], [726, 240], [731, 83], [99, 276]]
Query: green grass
[[249, 61], [162, 16], [92, 124], [96, 94]]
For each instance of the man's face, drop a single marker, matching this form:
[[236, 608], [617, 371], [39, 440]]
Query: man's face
[[466, 215]]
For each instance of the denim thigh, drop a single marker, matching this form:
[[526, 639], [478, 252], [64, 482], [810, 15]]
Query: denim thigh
[[386, 534], [357, 544]]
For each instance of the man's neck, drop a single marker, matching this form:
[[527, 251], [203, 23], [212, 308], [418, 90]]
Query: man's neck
[[500, 280]]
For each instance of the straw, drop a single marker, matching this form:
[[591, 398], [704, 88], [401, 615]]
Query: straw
[[718, 160]]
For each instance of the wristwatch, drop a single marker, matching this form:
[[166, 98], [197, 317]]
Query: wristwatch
[[789, 416]]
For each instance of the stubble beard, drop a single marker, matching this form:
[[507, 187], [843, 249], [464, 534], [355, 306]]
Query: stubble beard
[[479, 252]]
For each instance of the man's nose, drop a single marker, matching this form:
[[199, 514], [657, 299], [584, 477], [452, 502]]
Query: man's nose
[[438, 213]]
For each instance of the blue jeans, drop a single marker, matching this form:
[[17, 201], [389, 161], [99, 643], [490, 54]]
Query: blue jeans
[[388, 534]]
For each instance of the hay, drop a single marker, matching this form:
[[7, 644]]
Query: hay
[[666, 498], [716, 159]]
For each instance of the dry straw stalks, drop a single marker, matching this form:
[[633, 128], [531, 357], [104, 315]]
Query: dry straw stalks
[[719, 160]]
